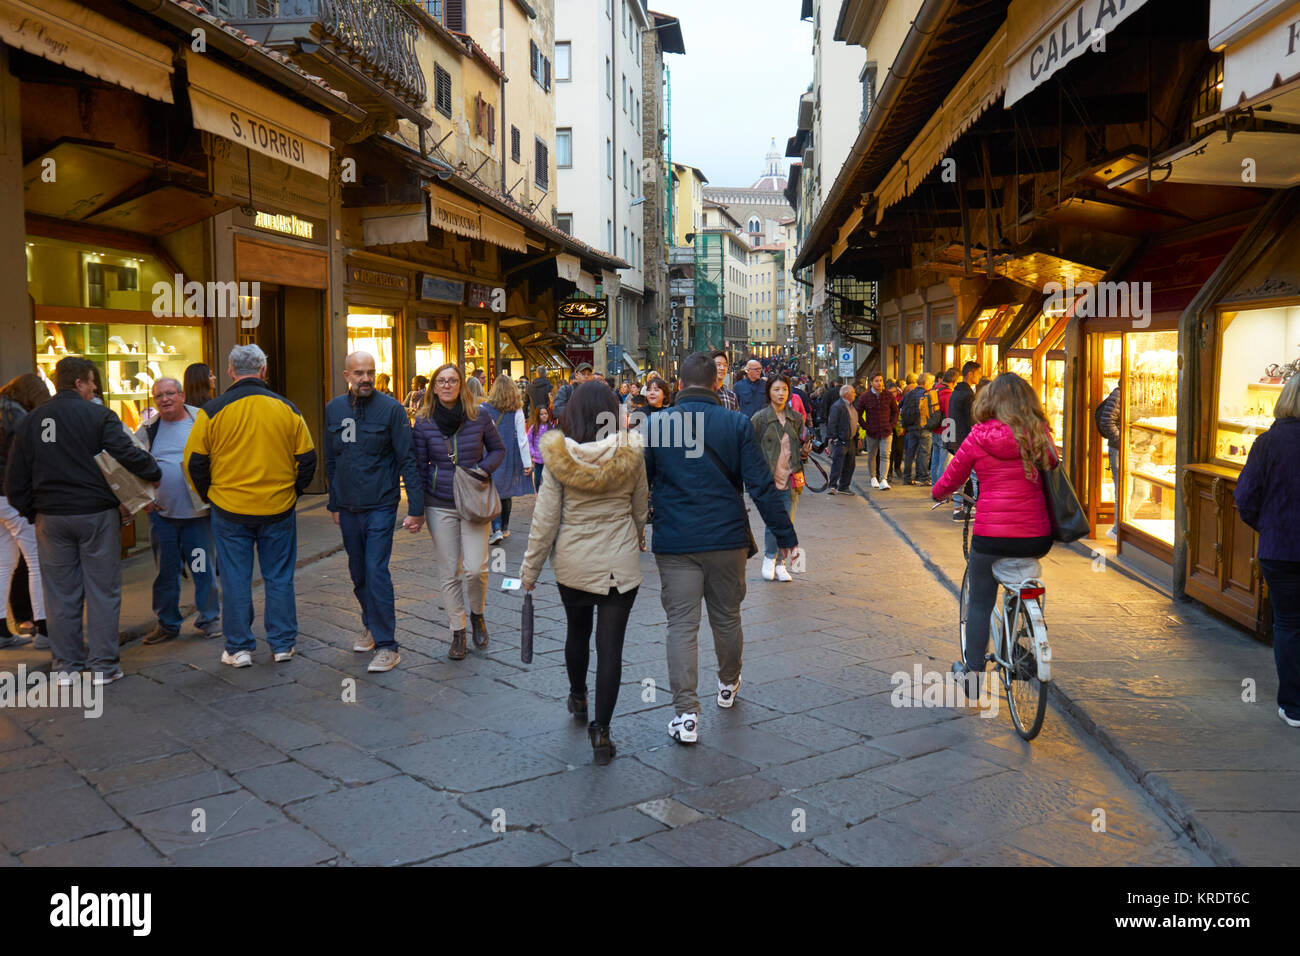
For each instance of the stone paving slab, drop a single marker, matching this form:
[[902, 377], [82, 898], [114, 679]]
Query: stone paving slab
[[1158, 682], [477, 763]]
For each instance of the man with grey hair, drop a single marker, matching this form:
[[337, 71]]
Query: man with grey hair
[[179, 530], [250, 456], [841, 426]]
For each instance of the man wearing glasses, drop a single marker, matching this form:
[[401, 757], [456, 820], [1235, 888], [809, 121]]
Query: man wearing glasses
[[179, 527]]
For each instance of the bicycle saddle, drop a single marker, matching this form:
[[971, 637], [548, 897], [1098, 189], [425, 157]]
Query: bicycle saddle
[[1012, 572]]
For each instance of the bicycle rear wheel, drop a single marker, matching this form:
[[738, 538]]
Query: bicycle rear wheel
[[815, 478], [964, 615], [1026, 694]]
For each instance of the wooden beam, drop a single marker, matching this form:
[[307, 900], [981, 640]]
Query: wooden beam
[[988, 211]]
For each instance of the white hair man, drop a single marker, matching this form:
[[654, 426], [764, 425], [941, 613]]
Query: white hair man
[[180, 530], [250, 456]]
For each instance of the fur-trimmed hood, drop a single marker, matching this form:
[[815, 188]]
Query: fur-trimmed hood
[[596, 466]]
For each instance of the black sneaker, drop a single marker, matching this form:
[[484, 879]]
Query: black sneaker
[[14, 640]]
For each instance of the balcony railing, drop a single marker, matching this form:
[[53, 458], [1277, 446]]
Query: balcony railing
[[374, 37]]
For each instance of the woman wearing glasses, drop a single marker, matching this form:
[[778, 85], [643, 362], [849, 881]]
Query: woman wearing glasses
[[449, 424]]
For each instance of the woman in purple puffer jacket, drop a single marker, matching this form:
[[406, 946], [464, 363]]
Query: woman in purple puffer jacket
[[1268, 499], [1010, 441], [448, 421]]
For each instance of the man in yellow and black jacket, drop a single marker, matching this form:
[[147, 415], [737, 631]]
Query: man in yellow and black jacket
[[250, 456]]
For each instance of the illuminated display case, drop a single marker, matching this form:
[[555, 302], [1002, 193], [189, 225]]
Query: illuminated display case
[[98, 304], [371, 330], [1150, 435], [474, 349], [1255, 349]]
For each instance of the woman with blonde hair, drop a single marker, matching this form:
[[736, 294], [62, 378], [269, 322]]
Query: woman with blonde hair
[[506, 409], [448, 433], [1008, 444], [1268, 499]]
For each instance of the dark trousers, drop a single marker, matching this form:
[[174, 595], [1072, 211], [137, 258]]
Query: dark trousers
[[611, 625], [843, 462], [81, 569], [502, 521], [368, 539], [1283, 579], [896, 456], [916, 455], [537, 476]]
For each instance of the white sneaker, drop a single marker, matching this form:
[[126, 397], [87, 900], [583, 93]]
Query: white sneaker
[[1289, 722], [768, 565], [283, 656], [684, 728], [727, 693], [494, 537], [875, 483], [884, 486], [237, 659], [365, 642], [108, 677], [782, 574]]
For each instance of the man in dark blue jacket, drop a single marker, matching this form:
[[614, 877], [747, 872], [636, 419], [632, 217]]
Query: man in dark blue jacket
[[697, 457], [367, 451], [751, 391]]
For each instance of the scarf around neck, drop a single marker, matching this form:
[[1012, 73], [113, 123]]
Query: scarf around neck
[[447, 419]]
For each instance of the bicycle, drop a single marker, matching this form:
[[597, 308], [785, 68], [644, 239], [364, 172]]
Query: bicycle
[[1022, 656]]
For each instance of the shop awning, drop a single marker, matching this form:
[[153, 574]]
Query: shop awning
[[1261, 66], [819, 284], [389, 225], [612, 283], [568, 267], [1216, 159], [631, 363], [1045, 35], [451, 213], [502, 232], [975, 92], [243, 111], [77, 37]]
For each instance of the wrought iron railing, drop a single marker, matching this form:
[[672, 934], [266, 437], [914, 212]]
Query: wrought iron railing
[[374, 36]]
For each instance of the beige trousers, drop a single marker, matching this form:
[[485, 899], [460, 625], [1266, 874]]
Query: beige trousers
[[461, 550]]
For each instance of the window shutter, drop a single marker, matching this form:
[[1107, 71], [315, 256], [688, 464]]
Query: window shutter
[[455, 15], [492, 125], [514, 143], [546, 65], [533, 54]]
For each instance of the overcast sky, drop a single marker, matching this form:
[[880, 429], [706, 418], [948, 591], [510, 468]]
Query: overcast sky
[[746, 64]]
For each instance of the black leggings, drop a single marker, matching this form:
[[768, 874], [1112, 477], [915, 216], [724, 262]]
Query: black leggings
[[611, 625], [505, 513]]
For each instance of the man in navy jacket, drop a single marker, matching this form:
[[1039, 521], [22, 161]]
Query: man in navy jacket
[[751, 391], [698, 456], [367, 450]]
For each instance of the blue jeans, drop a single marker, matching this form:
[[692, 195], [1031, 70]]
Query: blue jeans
[[368, 539], [277, 553], [770, 548], [175, 543], [938, 458], [537, 476], [1283, 579]]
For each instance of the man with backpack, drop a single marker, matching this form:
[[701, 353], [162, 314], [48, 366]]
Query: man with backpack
[[916, 440], [936, 413]]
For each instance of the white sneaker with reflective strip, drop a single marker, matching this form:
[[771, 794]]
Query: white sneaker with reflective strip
[[875, 482], [684, 728], [727, 693]]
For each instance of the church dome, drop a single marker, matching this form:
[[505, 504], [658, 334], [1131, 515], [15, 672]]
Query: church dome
[[771, 180]]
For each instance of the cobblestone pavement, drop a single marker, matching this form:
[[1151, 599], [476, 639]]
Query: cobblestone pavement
[[476, 762]]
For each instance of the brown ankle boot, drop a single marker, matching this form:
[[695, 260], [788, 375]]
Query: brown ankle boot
[[480, 630], [457, 652]]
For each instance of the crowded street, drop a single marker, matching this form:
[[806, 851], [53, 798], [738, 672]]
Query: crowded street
[[813, 766]]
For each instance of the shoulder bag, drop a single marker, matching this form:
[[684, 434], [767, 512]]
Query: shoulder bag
[[476, 498], [1069, 523]]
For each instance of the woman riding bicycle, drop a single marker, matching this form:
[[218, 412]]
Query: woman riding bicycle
[[1009, 442]]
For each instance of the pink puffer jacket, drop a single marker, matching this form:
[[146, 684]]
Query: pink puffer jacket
[[1010, 505]]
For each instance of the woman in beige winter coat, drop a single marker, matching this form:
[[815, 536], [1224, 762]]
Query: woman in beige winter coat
[[589, 517]]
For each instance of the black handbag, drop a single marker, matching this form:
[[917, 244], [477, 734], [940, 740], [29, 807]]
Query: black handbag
[[526, 630], [1069, 523], [735, 482]]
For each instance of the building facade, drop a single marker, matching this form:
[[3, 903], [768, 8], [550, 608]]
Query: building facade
[[599, 117]]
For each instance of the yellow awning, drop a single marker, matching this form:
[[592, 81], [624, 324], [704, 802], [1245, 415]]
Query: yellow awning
[[451, 213], [977, 90], [245, 112], [77, 37], [502, 232]]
